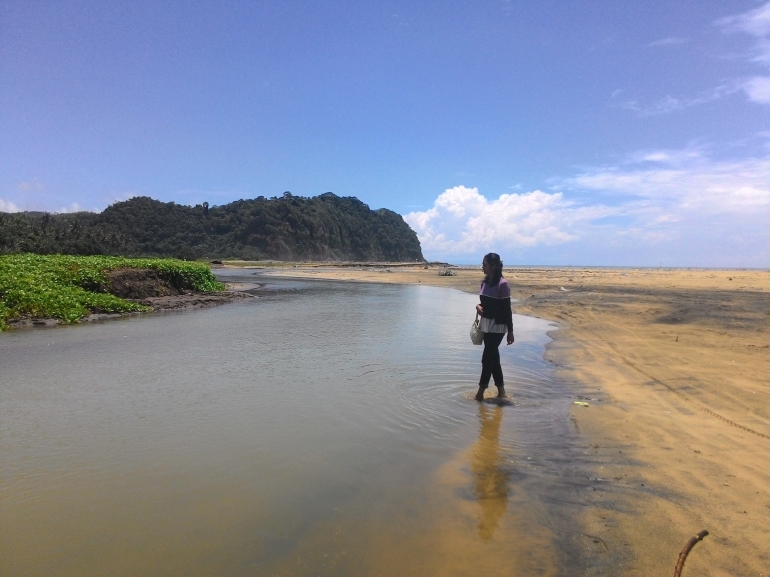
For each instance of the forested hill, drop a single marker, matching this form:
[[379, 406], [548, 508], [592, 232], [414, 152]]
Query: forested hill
[[325, 227]]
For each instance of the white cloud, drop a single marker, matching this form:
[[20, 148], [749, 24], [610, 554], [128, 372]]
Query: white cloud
[[757, 89], [462, 221], [700, 185], [34, 185], [676, 157], [670, 104], [756, 23], [654, 200], [74, 207], [668, 42], [6, 206]]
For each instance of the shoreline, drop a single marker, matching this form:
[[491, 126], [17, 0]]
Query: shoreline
[[158, 304], [52, 289], [678, 360]]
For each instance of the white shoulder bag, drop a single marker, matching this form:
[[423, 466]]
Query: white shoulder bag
[[477, 337]]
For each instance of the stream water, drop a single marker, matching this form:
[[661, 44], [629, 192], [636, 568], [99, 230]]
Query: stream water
[[322, 429]]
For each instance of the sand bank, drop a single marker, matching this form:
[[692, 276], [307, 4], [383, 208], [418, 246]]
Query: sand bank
[[676, 365]]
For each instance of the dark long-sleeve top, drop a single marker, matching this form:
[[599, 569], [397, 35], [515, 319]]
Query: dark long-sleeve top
[[496, 302]]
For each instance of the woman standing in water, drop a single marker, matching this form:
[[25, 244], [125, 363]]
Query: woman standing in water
[[496, 320]]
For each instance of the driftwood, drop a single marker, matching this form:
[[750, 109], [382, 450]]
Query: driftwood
[[683, 555]]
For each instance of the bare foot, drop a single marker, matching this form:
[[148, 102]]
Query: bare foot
[[501, 392], [480, 395]]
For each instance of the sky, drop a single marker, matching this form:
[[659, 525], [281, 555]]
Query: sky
[[599, 133]]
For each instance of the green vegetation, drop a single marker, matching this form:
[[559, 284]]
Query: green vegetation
[[43, 233], [325, 227], [69, 288]]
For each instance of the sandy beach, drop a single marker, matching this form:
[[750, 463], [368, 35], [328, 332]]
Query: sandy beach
[[673, 365]]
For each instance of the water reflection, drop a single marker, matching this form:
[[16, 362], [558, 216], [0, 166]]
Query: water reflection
[[490, 475]]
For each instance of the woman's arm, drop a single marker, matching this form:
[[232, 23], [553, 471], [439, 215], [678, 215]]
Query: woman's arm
[[479, 308], [508, 317]]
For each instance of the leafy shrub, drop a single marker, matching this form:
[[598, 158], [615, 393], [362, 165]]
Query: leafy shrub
[[69, 288]]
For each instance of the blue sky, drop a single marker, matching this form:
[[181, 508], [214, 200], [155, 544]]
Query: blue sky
[[594, 133]]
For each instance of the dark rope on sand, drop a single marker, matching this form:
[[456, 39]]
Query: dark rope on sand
[[683, 555], [679, 393]]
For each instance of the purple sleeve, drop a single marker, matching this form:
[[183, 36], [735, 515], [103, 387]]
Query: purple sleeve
[[505, 290]]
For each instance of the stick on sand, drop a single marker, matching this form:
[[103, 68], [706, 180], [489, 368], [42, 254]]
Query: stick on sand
[[683, 555]]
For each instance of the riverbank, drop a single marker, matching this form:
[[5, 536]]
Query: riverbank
[[677, 364], [61, 289]]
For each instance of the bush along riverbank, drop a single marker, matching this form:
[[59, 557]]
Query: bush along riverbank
[[69, 288]]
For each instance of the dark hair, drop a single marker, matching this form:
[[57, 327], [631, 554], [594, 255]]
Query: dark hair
[[494, 276]]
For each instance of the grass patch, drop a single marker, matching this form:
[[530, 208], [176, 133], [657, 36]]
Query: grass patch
[[69, 288]]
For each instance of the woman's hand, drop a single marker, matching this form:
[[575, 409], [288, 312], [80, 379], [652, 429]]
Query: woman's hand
[[480, 309], [509, 339]]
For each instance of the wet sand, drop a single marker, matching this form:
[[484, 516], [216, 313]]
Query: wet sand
[[674, 367]]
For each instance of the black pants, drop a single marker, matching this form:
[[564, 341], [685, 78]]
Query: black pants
[[490, 360]]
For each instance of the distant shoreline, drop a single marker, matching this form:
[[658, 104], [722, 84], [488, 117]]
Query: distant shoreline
[[375, 264]]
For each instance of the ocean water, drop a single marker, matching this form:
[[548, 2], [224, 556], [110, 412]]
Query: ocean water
[[321, 429]]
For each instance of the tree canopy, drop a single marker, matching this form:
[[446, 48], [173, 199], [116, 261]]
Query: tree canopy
[[325, 227]]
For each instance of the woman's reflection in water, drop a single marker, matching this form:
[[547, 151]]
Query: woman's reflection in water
[[490, 475]]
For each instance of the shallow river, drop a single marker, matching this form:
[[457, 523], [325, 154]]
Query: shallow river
[[323, 429]]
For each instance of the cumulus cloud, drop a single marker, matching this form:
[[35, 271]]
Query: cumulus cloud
[[652, 198], [463, 221], [6, 206], [74, 207]]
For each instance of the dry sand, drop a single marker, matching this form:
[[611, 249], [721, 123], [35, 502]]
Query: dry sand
[[678, 434]]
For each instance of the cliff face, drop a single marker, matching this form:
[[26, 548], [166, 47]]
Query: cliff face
[[325, 227]]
